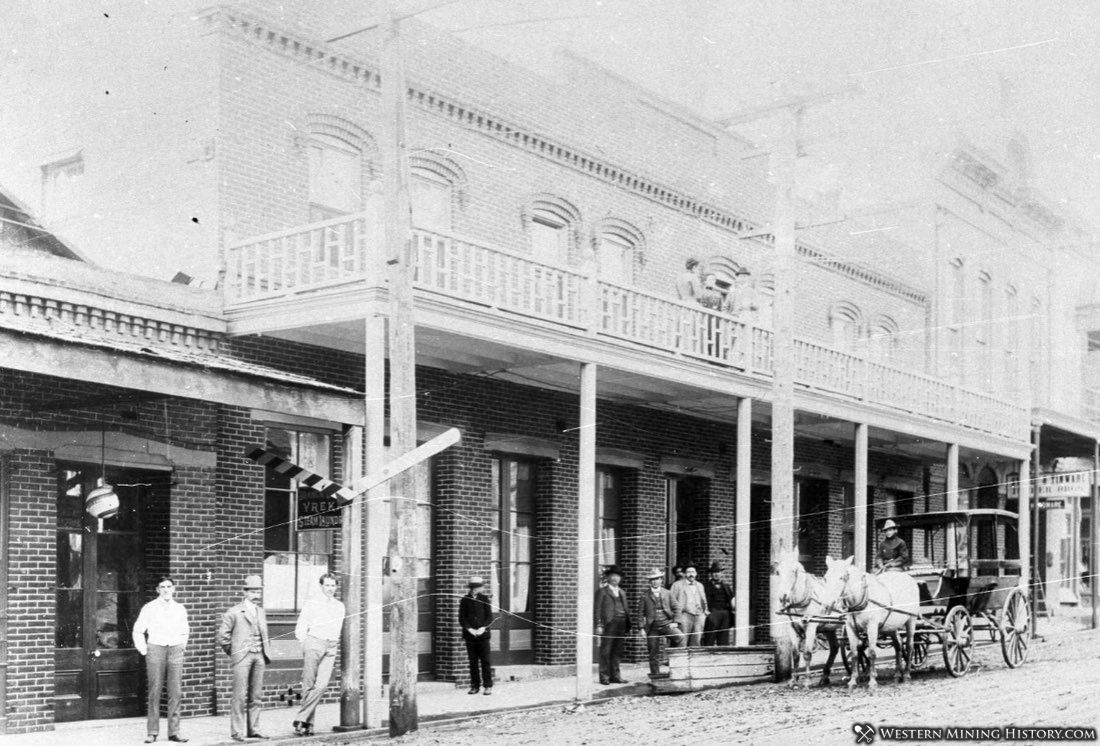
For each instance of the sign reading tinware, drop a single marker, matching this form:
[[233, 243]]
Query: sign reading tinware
[[317, 512]]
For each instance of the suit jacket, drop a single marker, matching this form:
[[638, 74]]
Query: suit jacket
[[475, 612], [655, 610], [608, 607], [719, 596], [235, 632]]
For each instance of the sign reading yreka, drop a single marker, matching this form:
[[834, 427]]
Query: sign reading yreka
[[317, 512]]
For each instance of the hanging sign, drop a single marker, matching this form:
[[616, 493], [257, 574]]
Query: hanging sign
[[317, 512]]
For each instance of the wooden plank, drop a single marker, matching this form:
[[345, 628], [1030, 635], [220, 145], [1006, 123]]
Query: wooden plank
[[405, 462]]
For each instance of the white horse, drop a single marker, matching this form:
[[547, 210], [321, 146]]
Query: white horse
[[874, 605], [799, 594]]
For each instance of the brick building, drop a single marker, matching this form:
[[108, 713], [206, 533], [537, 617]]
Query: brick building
[[551, 220]]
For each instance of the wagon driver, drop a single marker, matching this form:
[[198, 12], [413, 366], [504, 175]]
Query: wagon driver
[[893, 552]]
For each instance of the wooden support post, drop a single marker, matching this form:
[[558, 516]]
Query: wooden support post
[[782, 452], [399, 257], [377, 540], [859, 503], [586, 529], [952, 489], [1036, 569], [1094, 536], [743, 527], [351, 636], [1023, 521]]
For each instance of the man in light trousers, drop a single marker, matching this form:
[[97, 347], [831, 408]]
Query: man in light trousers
[[243, 637], [689, 602], [318, 630], [160, 634]]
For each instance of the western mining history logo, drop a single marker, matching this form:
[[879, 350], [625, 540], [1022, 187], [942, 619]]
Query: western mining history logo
[[866, 733]]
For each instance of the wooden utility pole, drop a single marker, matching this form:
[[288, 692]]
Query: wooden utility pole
[[351, 635], [586, 529], [782, 457], [399, 257]]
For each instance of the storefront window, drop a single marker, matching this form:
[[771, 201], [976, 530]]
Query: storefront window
[[293, 560]]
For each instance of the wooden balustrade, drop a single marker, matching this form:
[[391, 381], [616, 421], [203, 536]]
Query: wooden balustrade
[[333, 252]]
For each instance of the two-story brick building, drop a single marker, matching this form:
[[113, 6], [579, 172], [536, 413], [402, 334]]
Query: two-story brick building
[[551, 219]]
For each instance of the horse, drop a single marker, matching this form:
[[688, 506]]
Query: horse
[[799, 593], [874, 605]]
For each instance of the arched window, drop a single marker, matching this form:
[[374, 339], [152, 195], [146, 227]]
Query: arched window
[[335, 177], [434, 185], [882, 339], [618, 247], [339, 166], [551, 224], [846, 326]]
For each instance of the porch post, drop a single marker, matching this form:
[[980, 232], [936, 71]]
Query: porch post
[[1037, 576], [1094, 534], [742, 523], [952, 476], [376, 530], [1023, 522], [860, 497], [586, 530]]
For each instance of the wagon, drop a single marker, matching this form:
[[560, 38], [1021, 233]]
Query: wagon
[[969, 586]]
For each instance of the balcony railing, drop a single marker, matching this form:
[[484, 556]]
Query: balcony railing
[[309, 259]]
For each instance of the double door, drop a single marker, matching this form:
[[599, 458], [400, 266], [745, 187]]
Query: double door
[[98, 673]]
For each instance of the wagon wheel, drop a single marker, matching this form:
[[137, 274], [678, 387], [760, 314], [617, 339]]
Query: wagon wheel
[[920, 650], [1015, 629], [958, 641]]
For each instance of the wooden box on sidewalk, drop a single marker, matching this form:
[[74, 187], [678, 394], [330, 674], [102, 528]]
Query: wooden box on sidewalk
[[693, 669]]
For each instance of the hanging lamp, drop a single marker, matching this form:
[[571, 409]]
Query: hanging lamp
[[102, 502]]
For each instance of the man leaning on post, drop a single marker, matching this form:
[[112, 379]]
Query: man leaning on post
[[243, 637]]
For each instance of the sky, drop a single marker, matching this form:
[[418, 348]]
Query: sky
[[922, 71]]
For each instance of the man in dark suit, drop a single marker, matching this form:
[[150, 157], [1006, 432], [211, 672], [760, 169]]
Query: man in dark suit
[[720, 603], [612, 626], [475, 614], [657, 620], [243, 637]]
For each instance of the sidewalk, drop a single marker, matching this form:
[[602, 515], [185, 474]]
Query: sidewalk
[[437, 701]]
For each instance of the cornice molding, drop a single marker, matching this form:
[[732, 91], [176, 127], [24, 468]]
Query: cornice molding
[[320, 57]]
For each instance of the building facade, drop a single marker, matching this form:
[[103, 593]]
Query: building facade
[[551, 222]]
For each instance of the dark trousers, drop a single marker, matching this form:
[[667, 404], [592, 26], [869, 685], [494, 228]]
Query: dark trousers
[[654, 635], [164, 664], [611, 647], [717, 631], [481, 673]]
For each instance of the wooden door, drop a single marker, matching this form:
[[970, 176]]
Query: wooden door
[[98, 673]]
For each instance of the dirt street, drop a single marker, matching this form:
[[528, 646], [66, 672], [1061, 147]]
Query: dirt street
[[1058, 686]]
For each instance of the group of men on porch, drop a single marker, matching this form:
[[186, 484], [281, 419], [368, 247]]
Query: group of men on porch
[[688, 612]]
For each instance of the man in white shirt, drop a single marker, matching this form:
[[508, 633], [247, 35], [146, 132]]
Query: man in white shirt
[[318, 630], [160, 634]]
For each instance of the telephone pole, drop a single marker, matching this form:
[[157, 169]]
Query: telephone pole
[[399, 258]]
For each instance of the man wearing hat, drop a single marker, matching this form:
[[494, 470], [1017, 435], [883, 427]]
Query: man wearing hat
[[657, 620], [893, 552], [612, 625], [243, 637], [475, 614], [720, 602]]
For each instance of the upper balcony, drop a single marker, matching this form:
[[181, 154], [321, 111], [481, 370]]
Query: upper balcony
[[334, 258]]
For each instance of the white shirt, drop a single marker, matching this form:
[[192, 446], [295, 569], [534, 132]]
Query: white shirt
[[321, 617], [164, 621]]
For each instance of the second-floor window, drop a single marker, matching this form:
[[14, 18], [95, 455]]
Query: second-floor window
[[431, 198], [615, 257], [882, 339], [549, 237], [335, 178], [845, 326]]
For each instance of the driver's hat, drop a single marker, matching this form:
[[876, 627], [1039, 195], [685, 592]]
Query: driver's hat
[[889, 525]]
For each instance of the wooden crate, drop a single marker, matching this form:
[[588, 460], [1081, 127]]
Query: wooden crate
[[693, 669]]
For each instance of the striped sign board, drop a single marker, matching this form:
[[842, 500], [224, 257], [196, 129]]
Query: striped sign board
[[344, 495], [322, 485]]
